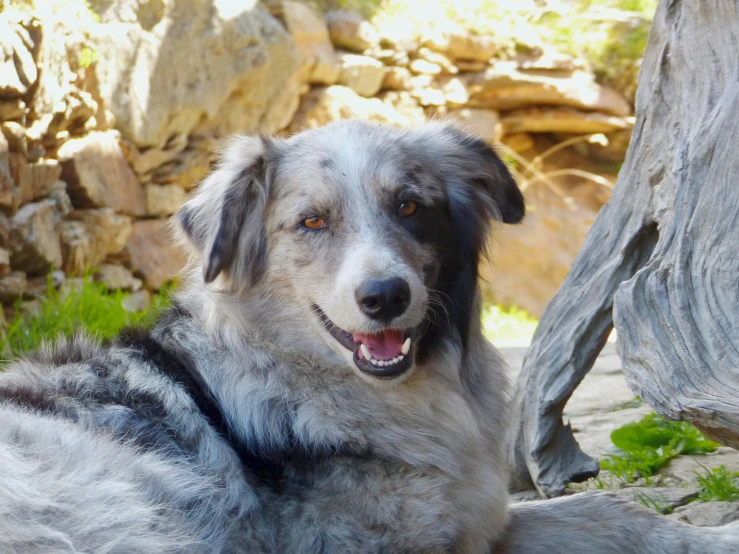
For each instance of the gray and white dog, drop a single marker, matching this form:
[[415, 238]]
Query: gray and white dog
[[321, 383]]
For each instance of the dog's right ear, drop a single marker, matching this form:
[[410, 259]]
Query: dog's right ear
[[224, 221]]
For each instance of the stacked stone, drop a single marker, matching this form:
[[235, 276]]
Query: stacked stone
[[97, 151]]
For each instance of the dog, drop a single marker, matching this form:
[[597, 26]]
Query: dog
[[319, 385]]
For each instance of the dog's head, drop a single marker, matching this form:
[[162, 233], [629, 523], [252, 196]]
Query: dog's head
[[376, 231]]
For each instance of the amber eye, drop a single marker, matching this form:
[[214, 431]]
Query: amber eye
[[407, 208], [314, 223]]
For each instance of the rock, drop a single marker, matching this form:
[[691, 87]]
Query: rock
[[17, 67], [13, 108], [459, 44], [562, 120], [153, 254], [437, 59], [117, 277], [431, 96], [6, 178], [13, 286], [396, 78], [4, 230], [405, 106], [88, 236], [529, 261], [390, 57], [519, 142], [668, 498], [15, 134], [152, 158], [323, 105], [482, 123], [708, 514], [34, 243], [240, 74], [351, 31], [59, 195], [98, 176], [550, 60], [362, 74], [38, 287], [164, 200], [424, 67], [190, 167], [136, 302], [454, 91], [469, 66], [36, 180], [504, 87], [4, 262], [319, 63]]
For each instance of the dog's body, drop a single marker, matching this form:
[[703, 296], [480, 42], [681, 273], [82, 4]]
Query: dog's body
[[321, 386]]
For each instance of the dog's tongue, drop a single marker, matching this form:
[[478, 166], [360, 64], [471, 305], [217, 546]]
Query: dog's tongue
[[384, 346]]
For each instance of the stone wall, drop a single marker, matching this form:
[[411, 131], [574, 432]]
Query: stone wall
[[107, 126]]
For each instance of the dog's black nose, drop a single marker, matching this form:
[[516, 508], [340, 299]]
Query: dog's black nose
[[384, 299]]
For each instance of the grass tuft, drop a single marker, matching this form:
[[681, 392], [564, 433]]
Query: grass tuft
[[88, 307], [718, 484], [649, 444]]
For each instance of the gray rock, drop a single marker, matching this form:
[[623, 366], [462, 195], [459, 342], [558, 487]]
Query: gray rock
[[222, 66], [34, 242], [319, 63], [153, 255], [137, 302], [164, 200], [13, 286], [98, 175], [362, 74], [88, 236], [708, 514], [117, 277], [18, 71], [351, 31]]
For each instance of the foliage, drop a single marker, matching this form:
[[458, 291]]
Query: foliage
[[718, 484], [635, 402], [508, 327], [87, 307], [654, 501], [647, 445]]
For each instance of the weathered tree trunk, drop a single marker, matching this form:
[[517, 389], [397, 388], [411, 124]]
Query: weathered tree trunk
[[661, 260]]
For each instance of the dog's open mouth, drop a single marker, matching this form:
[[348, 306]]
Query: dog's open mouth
[[385, 355]]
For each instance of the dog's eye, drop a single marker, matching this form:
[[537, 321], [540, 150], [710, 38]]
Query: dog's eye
[[313, 223], [407, 208]]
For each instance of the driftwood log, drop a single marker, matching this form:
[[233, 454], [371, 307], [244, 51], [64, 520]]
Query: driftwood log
[[661, 260]]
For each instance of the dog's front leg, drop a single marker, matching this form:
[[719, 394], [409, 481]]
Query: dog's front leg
[[599, 523]]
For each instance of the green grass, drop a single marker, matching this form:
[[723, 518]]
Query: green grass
[[88, 307], [635, 402], [654, 501], [648, 444], [718, 484], [508, 327]]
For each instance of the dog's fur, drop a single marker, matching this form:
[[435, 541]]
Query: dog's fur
[[240, 424]]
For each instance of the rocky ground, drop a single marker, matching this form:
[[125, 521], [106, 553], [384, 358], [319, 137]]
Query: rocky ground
[[603, 403]]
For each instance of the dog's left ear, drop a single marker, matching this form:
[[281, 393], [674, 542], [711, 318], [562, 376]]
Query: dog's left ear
[[469, 161], [223, 222]]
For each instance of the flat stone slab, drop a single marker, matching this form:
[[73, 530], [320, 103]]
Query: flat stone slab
[[602, 403]]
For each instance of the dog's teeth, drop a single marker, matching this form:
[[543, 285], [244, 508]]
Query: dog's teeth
[[366, 352], [406, 346]]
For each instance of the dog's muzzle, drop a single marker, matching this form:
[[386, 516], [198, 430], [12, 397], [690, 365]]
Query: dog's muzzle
[[385, 355]]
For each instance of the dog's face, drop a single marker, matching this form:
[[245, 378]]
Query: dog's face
[[376, 231]]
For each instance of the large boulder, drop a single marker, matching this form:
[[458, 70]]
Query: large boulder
[[363, 74], [213, 64], [563, 120], [351, 31]]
